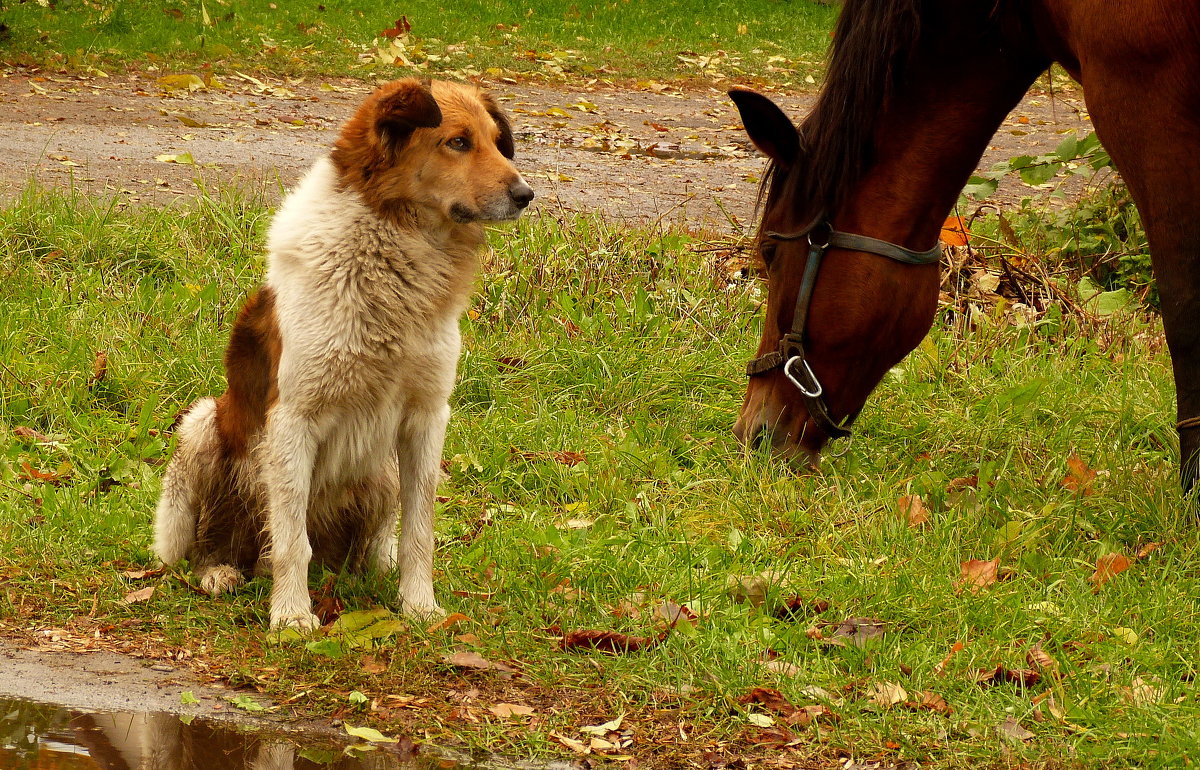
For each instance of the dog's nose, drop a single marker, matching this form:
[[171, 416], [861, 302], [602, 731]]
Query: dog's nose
[[521, 193]]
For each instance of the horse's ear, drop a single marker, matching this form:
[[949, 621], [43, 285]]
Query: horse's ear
[[407, 106], [767, 125]]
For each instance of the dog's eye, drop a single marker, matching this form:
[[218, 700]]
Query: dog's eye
[[460, 143]]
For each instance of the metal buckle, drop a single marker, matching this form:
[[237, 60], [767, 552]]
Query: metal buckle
[[816, 390]]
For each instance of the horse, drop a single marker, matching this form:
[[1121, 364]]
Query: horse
[[853, 200]]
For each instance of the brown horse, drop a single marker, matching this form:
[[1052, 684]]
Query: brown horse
[[914, 91]]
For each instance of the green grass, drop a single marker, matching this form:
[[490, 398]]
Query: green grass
[[781, 39], [626, 346]]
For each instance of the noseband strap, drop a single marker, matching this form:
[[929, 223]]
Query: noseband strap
[[789, 355]]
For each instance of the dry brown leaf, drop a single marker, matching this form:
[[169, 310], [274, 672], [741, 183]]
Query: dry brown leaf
[[508, 710], [473, 660], [579, 747], [453, 619], [930, 701], [28, 434], [886, 694], [1079, 477], [809, 714], [611, 642], [1148, 549], [858, 631], [940, 668], [1144, 691], [1010, 728], [53, 478], [913, 510], [140, 595], [954, 232], [1001, 675], [399, 29], [1041, 660], [963, 482], [978, 574], [99, 369], [1109, 566], [770, 699], [799, 606]]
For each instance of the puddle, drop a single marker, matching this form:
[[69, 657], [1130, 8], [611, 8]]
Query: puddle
[[37, 736]]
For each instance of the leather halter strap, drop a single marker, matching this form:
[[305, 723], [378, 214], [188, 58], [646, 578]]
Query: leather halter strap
[[790, 353]]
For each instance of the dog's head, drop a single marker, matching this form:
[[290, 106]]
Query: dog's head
[[441, 147]]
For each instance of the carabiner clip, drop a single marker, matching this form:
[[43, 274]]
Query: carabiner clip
[[813, 391]]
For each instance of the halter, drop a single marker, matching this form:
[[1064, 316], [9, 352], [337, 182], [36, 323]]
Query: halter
[[790, 353]]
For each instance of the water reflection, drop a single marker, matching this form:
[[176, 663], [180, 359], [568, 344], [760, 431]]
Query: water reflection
[[36, 736]]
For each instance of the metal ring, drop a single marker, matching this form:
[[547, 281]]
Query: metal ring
[[826, 229], [787, 371]]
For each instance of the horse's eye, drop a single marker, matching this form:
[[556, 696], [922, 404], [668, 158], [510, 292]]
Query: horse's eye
[[767, 250]]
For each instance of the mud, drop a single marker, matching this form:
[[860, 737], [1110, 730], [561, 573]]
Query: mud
[[673, 155]]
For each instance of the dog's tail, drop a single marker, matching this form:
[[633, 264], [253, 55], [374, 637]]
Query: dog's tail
[[189, 474]]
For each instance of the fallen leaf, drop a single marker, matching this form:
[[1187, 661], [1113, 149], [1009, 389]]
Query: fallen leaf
[[886, 694], [977, 574], [368, 734], [577, 746], [609, 641], [1000, 675], [1041, 660], [954, 232], [453, 619], [180, 83], [799, 606], [28, 434], [940, 668], [1144, 691], [182, 158], [930, 701], [1148, 549], [768, 698], [1109, 566], [1010, 728], [913, 510], [610, 726], [473, 660], [508, 710], [399, 29], [858, 631], [140, 595], [1079, 478], [806, 715]]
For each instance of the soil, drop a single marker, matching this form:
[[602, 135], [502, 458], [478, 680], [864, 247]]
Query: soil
[[657, 154]]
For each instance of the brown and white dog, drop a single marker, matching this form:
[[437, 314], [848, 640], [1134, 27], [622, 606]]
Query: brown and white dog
[[340, 367]]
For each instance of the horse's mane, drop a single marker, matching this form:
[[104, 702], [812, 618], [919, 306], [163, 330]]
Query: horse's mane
[[872, 43]]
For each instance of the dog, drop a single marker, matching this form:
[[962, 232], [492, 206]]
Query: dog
[[340, 367]]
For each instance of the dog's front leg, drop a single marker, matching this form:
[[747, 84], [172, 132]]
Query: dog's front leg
[[290, 447], [419, 449]]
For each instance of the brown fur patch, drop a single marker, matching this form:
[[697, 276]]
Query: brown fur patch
[[251, 366]]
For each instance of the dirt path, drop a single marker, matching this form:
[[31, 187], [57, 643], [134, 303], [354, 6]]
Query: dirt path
[[646, 155]]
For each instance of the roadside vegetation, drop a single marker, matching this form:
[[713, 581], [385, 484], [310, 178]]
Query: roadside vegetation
[[783, 42], [998, 569]]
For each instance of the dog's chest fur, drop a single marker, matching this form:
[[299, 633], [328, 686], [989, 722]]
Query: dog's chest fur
[[368, 316]]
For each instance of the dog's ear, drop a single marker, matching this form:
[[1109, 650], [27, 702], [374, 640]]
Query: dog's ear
[[504, 142], [410, 105]]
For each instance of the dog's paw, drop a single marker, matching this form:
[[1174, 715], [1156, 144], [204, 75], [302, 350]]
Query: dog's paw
[[215, 581], [421, 608], [304, 622]]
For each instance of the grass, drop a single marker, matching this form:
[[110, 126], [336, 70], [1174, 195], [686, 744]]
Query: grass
[[626, 347], [556, 39]]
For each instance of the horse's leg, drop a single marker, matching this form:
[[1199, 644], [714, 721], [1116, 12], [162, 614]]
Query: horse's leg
[[1149, 121]]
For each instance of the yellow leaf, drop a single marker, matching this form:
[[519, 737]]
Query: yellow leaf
[[183, 158], [180, 83], [368, 734]]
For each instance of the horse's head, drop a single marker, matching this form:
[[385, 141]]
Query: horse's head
[[820, 356]]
